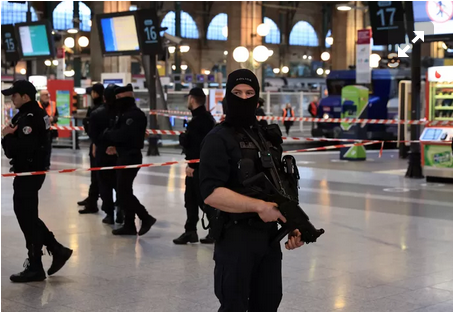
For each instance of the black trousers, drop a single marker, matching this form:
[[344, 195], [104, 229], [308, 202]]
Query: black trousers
[[125, 193], [194, 201], [288, 125], [93, 192], [106, 180], [248, 271], [25, 202]]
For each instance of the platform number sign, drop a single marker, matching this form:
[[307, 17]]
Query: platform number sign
[[150, 30], [148, 27], [387, 16], [387, 21], [9, 42]]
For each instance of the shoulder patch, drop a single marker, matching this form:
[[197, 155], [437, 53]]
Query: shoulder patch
[[129, 121], [27, 130], [47, 121], [30, 115]]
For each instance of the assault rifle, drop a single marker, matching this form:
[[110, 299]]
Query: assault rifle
[[296, 218]]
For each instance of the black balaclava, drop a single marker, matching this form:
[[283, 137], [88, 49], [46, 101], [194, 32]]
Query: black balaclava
[[241, 112], [109, 94]]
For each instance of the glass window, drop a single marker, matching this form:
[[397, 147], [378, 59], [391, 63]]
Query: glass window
[[215, 28], [15, 12], [303, 34], [329, 34], [274, 33], [64, 13], [189, 28]]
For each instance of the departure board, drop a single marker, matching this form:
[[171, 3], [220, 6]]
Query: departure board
[[120, 34]]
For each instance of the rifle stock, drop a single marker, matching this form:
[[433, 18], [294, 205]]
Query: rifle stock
[[296, 218]]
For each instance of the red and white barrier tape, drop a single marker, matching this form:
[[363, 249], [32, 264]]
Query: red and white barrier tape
[[324, 148], [337, 120], [170, 163]]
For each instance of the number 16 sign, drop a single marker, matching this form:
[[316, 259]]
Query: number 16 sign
[[148, 28]]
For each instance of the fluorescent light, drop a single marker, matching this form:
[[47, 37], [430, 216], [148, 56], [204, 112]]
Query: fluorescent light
[[344, 7], [171, 50], [55, 62], [73, 31], [276, 70]]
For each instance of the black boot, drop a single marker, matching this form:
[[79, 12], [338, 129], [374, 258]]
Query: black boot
[[207, 240], [147, 223], [125, 230], [60, 254], [89, 208], [186, 237], [109, 219], [34, 272], [83, 202]]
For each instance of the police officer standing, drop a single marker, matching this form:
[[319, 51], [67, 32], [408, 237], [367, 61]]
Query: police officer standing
[[126, 140], [247, 274], [25, 141], [100, 120], [202, 122], [91, 202]]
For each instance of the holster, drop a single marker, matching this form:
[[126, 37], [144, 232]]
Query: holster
[[217, 224]]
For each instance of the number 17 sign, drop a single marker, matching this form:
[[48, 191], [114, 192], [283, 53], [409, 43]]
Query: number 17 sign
[[148, 28]]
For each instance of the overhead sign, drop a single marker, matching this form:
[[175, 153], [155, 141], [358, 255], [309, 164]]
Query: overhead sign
[[363, 68], [435, 18], [9, 41], [387, 21], [149, 32]]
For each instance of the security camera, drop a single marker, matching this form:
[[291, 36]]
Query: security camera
[[173, 39]]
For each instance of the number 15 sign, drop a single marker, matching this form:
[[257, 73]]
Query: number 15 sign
[[148, 28]]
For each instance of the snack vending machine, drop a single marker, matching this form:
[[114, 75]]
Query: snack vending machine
[[436, 141]]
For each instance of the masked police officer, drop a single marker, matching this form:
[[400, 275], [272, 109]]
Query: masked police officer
[[100, 120], [25, 141], [202, 122], [126, 140], [91, 202], [247, 268]]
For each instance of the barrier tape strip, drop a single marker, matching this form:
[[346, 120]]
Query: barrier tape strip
[[169, 163], [174, 132], [336, 120]]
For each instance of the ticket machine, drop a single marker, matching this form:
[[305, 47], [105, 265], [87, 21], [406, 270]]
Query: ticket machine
[[437, 158]]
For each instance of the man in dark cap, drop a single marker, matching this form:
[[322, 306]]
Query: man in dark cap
[[91, 202], [100, 120], [25, 142], [247, 273], [202, 122], [127, 137]]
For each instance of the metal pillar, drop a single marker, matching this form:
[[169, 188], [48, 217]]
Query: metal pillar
[[415, 168], [29, 64], [263, 41], [77, 61], [178, 86]]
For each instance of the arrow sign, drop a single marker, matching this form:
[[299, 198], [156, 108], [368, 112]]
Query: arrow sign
[[402, 53], [419, 35]]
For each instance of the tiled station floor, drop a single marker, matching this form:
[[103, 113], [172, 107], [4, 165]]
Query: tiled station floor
[[388, 244]]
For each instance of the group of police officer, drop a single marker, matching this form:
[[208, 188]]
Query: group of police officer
[[247, 267]]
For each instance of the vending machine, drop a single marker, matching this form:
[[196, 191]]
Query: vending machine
[[436, 142]]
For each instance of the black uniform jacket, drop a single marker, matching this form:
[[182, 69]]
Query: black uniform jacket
[[29, 145], [200, 125], [128, 133]]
